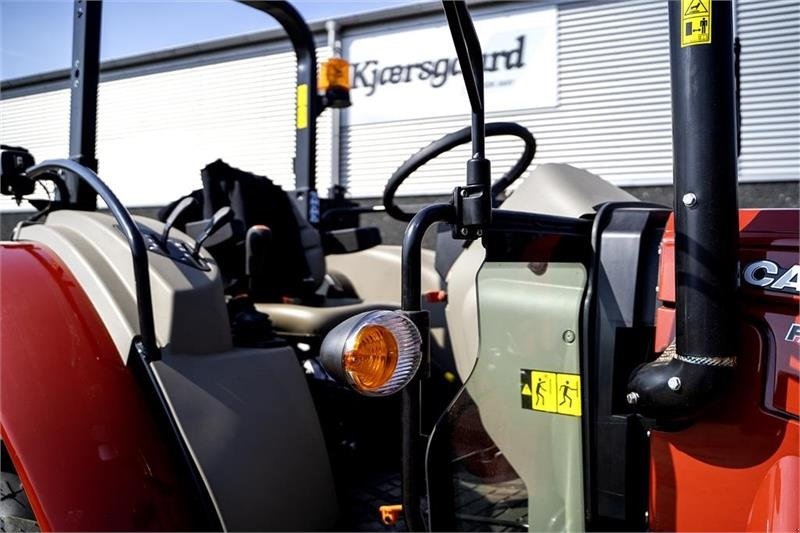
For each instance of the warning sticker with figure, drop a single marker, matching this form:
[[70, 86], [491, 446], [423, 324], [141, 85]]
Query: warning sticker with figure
[[695, 22], [550, 392]]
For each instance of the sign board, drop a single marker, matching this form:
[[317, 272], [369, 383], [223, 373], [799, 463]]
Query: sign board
[[413, 73]]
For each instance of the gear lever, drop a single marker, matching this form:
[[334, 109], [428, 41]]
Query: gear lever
[[256, 247], [182, 206], [218, 219]]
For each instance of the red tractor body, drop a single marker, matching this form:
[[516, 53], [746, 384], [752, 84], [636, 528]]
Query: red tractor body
[[742, 457]]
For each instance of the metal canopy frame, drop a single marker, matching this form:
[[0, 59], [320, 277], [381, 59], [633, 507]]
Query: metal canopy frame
[[84, 81]]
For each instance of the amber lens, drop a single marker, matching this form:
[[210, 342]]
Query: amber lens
[[371, 362], [335, 73]]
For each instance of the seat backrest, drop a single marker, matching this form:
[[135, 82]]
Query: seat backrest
[[295, 266]]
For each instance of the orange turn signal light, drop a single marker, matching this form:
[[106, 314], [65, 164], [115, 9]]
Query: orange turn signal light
[[375, 353], [373, 358]]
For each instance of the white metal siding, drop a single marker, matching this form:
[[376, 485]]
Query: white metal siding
[[613, 116], [37, 122], [156, 131], [769, 31], [614, 112]]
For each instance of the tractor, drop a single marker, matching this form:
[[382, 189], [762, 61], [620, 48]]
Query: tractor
[[569, 358]]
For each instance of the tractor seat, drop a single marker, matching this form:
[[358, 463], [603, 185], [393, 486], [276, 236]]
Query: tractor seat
[[306, 321], [289, 267]]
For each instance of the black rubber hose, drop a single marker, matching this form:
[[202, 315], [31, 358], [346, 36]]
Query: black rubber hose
[[447, 143]]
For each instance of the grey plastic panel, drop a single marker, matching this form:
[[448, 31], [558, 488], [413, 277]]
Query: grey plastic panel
[[251, 424], [247, 415], [523, 317], [551, 189], [375, 272], [188, 303]]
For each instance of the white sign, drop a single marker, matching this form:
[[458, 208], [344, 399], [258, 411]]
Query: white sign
[[414, 73]]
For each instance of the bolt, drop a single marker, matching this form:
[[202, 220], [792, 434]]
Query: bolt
[[464, 231], [674, 383], [76, 82], [689, 199], [633, 398], [568, 336], [479, 232], [463, 192]]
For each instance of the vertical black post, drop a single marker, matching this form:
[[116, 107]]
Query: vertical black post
[[474, 202], [308, 103], [704, 144], [705, 169], [84, 78]]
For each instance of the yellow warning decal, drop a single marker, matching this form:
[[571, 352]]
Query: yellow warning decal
[[695, 22], [550, 392], [302, 106]]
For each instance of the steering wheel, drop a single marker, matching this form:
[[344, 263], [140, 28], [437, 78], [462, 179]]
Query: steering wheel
[[447, 143]]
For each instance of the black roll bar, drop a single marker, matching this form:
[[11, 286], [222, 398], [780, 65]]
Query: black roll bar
[[706, 224], [141, 268], [309, 104], [84, 78], [84, 81]]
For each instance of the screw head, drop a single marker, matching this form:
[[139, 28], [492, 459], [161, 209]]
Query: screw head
[[632, 398], [464, 231], [674, 383], [689, 199], [463, 192], [568, 336], [479, 232]]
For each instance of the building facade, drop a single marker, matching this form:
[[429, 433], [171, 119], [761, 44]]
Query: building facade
[[589, 79]]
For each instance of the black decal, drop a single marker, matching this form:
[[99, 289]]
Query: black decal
[[397, 74], [514, 58], [440, 72], [359, 78], [426, 70], [455, 67]]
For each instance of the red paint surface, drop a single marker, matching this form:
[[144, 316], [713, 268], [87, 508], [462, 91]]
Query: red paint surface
[[73, 418], [737, 468]]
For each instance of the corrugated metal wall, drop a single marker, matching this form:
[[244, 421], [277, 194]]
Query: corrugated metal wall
[[613, 116], [769, 31], [158, 129]]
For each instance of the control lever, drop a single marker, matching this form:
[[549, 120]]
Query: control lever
[[182, 206], [219, 219], [256, 244]]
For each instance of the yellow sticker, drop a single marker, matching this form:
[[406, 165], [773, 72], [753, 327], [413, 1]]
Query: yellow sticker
[[695, 22], [550, 392], [302, 106], [543, 385], [569, 394]]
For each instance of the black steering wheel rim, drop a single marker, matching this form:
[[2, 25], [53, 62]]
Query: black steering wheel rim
[[447, 143]]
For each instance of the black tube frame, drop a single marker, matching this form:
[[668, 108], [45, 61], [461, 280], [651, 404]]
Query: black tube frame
[[87, 16], [84, 78], [144, 347], [141, 265]]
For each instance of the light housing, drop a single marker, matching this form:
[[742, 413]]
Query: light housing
[[375, 353], [334, 82]]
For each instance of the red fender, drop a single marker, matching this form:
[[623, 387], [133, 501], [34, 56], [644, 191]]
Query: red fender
[[77, 427], [736, 469]]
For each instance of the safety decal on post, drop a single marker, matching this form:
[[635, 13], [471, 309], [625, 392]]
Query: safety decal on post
[[695, 22], [550, 392], [302, 106]]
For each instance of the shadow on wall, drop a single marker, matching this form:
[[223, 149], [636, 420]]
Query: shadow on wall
[[758, 195]]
